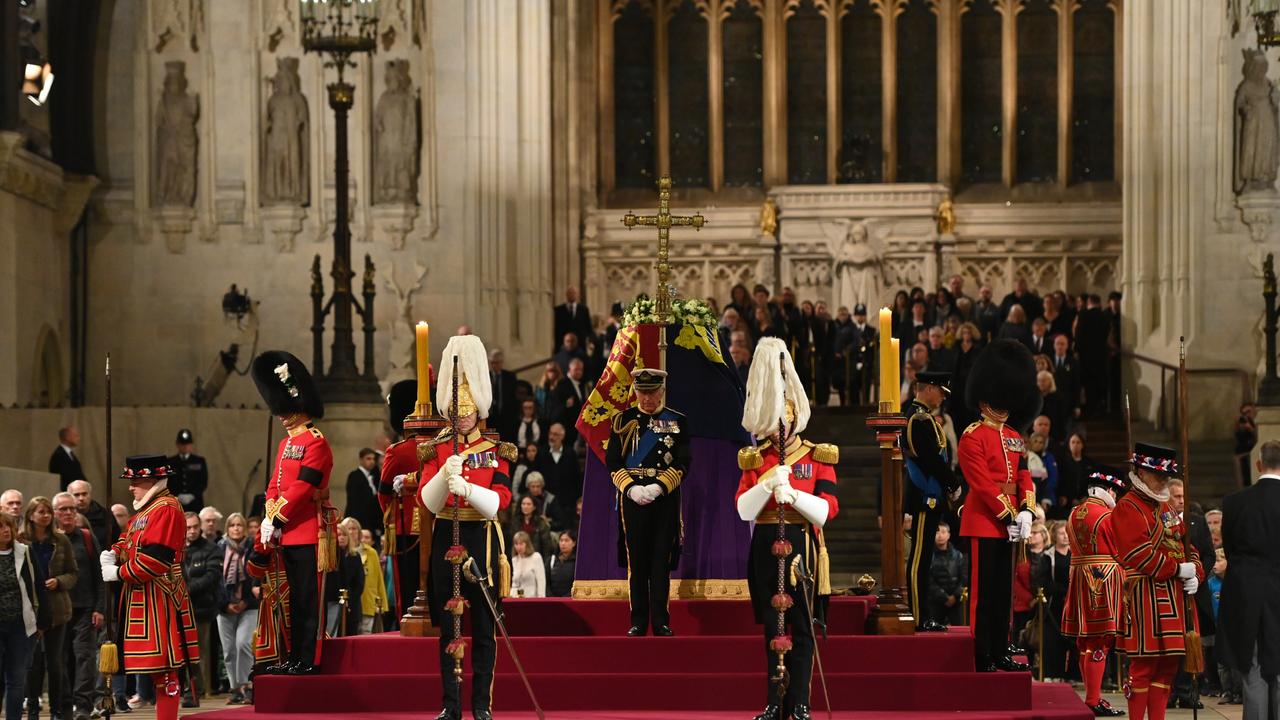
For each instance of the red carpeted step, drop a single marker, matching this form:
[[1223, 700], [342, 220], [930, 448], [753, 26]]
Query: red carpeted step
[[648, 691], [392, 654], [846, 615]]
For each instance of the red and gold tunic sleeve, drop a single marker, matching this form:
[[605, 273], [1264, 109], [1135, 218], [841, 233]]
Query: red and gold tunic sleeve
[[1137, 534], [157, 540]]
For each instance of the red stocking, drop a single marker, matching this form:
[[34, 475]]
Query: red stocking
[[1093, 665], [1166, 670], [167, 691], [1141, 670]]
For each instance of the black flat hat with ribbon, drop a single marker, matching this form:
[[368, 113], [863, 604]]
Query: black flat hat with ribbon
[[1108, 477], [1156, 458], [286, 386], [141, 468], [941, 380]]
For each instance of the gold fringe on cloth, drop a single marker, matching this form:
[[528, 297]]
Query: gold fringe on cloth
[[824, 568], [691, 589], [504, 576], [327, 539]]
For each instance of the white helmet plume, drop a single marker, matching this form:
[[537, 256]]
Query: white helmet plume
[[768, 392], [473, 368]]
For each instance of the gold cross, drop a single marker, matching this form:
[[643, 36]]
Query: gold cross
[[663, 221]]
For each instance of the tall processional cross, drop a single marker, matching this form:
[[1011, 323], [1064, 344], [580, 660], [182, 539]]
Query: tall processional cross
[[663, 221]]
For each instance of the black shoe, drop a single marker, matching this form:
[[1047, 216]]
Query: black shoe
[[662, 631], [931, 626], [800, 712], [1015, 650], [771, 712], [1186, 703], [304, 668], [448, 714], [1008, 664], [283, 668], [122, 706], [635, 631], [1104, 709], [481, 715], [190, 702]]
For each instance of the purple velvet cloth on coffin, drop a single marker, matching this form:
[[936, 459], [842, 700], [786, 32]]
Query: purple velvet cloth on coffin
[[716, 540]]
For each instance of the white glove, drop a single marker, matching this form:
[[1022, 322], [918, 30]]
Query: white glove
[[1190, 585], [1014, 534], [108, 557], [1025, 518], [397, 483], [453, 466], [459, 486], [784, 494], [639, 495], [779, 475], [1186, 571], [186, 498], [265, 531], [653, 492], [110, 573]]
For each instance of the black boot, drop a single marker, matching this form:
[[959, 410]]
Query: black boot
[[771, 712], [1008, 664], [447, 714], [1104, 709], [481, 715], [801, 712]]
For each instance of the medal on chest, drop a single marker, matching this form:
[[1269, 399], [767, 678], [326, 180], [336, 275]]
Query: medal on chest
[[486, 459], [802, 471]]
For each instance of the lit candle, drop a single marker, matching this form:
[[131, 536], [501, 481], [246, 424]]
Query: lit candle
[[886, 351], [896, 384], [422, 334]]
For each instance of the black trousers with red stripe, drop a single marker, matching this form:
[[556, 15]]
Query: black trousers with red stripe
[[990, 596]]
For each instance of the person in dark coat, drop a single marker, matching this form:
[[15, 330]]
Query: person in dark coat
[[362, 493], [505, 410], [1248, 615], [1184, 693], [571, 317], [948, 580], [561, 566], [102, 524], [1092, 332], [63, 462], [193, 473]]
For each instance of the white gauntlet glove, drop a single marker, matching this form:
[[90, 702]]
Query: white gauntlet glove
[[108, 557], [779, 475], [1025, 518], [453, 466], [459, 486], [110, 573], [784, 494], [265, 531], [397, 483], [1186, 571], [1190, 585]]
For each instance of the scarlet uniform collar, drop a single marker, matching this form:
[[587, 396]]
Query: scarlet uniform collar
[[473, 436], [297, 430]]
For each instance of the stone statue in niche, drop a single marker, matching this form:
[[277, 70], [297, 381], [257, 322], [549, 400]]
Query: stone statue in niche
[[395, 129], [1257, 126], [285, 161], [176, 140], [858, 268]]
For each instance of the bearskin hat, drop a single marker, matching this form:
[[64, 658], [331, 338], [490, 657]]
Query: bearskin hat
[[1004, 378], [401, 402], [285, 385]]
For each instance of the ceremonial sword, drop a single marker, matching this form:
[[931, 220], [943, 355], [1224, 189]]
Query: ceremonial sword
[[807, 580], [473, 574]]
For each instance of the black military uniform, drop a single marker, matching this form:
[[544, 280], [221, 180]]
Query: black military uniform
[[650, 452], [193, 475], [927, 483]]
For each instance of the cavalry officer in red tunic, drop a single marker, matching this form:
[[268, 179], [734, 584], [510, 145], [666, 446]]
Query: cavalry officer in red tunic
[[802, 478], [158, 629], [998, 509], [296, 495], [477, 481], [398, 490], [1095, 596], [1160, 571]]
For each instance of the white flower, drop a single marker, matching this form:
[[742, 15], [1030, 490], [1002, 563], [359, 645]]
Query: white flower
[[282, 371]]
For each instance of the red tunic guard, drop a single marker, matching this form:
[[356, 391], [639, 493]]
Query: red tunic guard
[[992, 457], [294, 496], [404, 516]]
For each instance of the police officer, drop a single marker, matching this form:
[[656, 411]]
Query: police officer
[[297, 492], [193, 473], [648, 457], [929, 482]]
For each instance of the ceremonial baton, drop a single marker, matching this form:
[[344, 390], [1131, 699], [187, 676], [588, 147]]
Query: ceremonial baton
[[457, 555], [474, 574], [808, 581], [782, 550], [108, 654]]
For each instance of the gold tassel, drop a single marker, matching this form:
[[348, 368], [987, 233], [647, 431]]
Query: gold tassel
[[824, 570], [108, 659], [504, 576], [327, 540], [1195, 652]]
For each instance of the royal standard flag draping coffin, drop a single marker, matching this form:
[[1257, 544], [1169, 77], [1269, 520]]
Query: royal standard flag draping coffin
[[715, 541]]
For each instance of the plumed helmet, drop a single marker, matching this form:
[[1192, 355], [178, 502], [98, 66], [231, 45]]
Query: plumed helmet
[[1004, 378], [772, 385], [401, 402], [285, 385], [475, 392]]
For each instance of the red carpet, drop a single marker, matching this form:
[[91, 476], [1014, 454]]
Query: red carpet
[[581, 666]]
